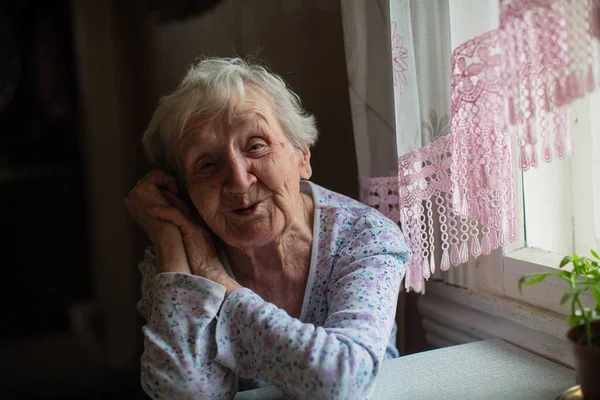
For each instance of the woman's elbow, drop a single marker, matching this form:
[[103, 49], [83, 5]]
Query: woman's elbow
[[152, 386], [160, 385], [357, 384], [349, 379]]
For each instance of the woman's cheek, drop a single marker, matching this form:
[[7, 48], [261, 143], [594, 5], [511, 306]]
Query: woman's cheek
[[267, 174], [204, 201], [277, 171]]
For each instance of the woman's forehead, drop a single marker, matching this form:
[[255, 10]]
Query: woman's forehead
[[250, 114], [204, 128], [255, 105]]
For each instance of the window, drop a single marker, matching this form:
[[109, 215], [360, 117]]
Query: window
[[559, 213], [561, 199]]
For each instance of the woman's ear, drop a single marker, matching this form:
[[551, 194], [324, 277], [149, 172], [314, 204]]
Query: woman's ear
[[304, 163]]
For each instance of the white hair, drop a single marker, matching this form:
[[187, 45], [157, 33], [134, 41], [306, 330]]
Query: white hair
[[215, 85]]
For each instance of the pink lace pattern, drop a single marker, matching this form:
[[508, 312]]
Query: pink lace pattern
[[482, 176], [548, 52], [482, 169], [425, 185], [381, 194], [513, 82]]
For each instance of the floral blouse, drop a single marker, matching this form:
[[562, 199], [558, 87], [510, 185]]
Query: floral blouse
[[197, 343]]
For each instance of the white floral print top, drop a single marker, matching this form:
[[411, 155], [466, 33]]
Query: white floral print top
[[197, 343]]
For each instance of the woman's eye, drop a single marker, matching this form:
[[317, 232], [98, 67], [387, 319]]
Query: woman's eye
[[257, 147], [206, 165]]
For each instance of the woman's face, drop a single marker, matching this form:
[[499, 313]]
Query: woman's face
[[243, 175]]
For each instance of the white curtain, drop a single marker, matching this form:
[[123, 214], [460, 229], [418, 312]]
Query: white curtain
[[421, 61], [401, 103], [368, 55], [468, 78]]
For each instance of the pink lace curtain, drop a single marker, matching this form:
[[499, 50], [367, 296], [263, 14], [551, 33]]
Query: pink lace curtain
[[511, 86]]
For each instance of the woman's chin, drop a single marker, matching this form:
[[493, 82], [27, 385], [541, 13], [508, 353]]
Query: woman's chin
[[248, 243], [251, 237]]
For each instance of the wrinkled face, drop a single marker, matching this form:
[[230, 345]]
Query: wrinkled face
[[243, 175]]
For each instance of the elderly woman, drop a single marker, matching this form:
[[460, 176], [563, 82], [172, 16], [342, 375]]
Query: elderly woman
[[257, 276]]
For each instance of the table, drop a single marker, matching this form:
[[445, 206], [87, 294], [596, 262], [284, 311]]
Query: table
[[490, 369]]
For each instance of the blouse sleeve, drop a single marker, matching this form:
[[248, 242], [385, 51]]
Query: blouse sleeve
[[339, 360], [178, 362]]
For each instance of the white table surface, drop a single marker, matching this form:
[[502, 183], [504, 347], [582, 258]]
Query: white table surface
[[490, 369]]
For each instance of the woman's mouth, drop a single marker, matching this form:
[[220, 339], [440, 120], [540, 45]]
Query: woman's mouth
[[246, 211]]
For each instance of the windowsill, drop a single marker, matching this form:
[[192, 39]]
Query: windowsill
[[453, 315], [547, 294], [539, 258], [487, 304]]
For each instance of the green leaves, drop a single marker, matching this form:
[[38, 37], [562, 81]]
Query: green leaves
[[565, 261], [597, 295], [583, 278], [536, 278], [575, 320], [566, 297]]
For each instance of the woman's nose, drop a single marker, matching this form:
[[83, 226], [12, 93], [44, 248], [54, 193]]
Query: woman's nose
[[238, 178]]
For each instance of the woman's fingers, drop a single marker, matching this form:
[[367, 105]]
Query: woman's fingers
[[154, 205], [200, 250], [170, 214], [152, 190], [160, 179], [195, 236], [177, 202]]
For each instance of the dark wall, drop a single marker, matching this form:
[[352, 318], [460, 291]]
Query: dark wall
[[120, 65]]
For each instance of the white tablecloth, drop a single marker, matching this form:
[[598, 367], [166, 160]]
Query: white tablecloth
[[490, 369]]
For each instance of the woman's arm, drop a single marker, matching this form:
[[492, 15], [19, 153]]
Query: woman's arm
[[179, 337], [180, 309], [341, 359]]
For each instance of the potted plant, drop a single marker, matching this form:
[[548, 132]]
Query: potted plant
[[584, 334]]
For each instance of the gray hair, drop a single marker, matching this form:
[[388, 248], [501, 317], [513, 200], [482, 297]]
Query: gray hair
[[212, 86]]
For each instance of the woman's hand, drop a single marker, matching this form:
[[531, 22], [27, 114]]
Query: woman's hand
[[201, 254], [155, 189]]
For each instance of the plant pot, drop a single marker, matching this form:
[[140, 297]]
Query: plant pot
[[587, 360]]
